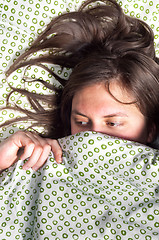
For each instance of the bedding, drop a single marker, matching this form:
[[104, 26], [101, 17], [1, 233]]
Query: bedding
[[21, 22], [106, 188]]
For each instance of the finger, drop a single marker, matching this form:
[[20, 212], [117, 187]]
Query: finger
[[22, 139], [33, 157], [31, 143], [12, 148], [56, 149], [39, 154], [33, 147], [43, 157]]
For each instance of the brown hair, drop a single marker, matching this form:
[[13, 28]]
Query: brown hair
[[98, 43], [135, 72]]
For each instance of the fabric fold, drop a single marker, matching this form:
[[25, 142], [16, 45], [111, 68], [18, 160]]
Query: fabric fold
[[106, 188]]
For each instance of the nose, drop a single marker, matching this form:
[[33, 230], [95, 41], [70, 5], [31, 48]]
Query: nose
[[96, 127]]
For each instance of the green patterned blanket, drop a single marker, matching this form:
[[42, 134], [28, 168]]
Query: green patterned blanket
[[106, 188]]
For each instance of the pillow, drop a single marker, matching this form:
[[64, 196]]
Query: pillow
[[20, 23], [106, 188]]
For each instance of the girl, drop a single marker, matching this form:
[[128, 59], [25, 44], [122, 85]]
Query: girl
[[113, 87]]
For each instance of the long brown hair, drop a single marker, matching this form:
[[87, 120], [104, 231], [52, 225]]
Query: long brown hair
[[135, 72], [98, 43]]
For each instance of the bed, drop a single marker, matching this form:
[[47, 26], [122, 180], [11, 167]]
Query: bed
[[106, 187]]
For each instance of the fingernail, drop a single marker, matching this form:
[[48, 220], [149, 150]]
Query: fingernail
[[35, 168], [59, 160], [25, 167]]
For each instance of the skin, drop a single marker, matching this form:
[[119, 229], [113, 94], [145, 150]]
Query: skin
[[36, 148], [93, 109]]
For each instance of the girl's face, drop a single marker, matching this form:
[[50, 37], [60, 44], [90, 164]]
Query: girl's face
[[94, 109]]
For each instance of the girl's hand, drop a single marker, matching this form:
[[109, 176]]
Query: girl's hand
[[22, 145]]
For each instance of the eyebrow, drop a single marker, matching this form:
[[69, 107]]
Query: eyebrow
[[117, 114]]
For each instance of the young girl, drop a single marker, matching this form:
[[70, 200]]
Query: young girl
[[113, 87]]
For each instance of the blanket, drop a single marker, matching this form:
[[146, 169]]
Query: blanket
[[106, 188], [21, 22]]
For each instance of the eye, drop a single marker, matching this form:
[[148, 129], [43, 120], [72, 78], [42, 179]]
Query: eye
[[82, 123], [113, 124]]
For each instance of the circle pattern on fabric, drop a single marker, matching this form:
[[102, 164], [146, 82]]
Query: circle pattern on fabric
[[94, 194]]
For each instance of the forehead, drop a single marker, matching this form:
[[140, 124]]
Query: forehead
[[96, 98], [114, 89]]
